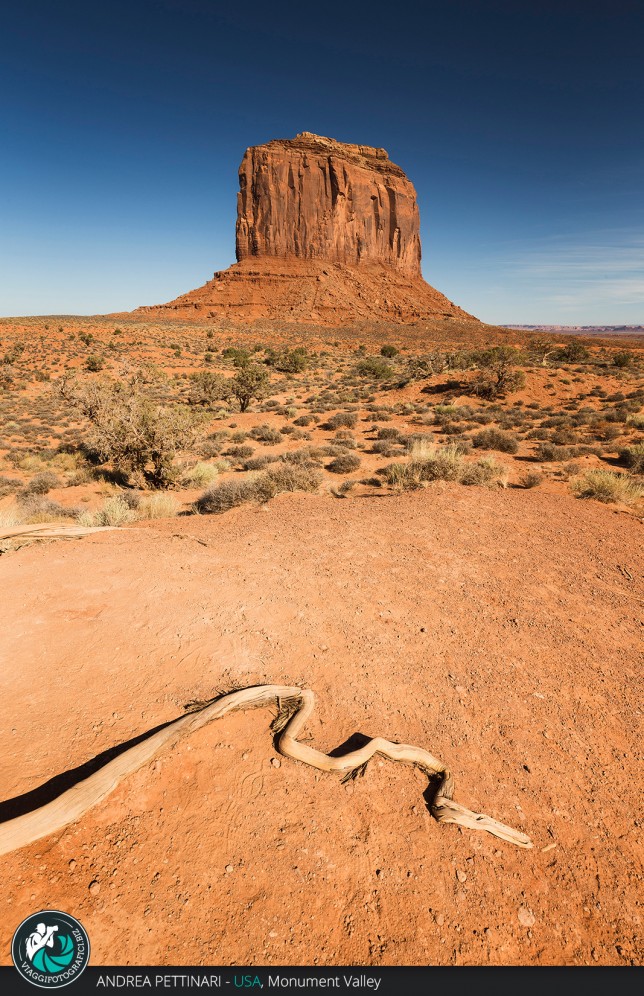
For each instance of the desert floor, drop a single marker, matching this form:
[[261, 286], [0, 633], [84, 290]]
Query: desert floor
[[501, 629]]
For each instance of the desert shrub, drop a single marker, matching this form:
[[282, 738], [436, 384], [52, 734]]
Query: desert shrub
[[287, 477], [252, 382], [633, 457], [420, 439], [115, 511], [572, 352], [238, 357], [565, 437], [387, 447], [342, 420], [210, 448], [200, 475], [82, 474], [344, 464], [11, 515], [637, 421], [40, 509], [531, 479], [258, 462], [490, 384], [40, 484], [343, 489], [304, 456], [158, 506], [424, 367], [461, 447], [8, 485], [454, 428], [288, 360], [131, 498], [132, 430], [240, 452], [223, 496], [607, 486], [374, 367], [498, 375], [485, 472], [208, 387], [389, 432], [428, 463], [496, 439], [94, 363], [389, 352], [303, 420], [549, 452], [266, 434], [261, 488], [345, 438]]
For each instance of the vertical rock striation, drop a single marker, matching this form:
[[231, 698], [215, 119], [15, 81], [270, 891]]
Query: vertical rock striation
[[313, 198]]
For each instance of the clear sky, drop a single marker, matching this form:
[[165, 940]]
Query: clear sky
[[520, 122]]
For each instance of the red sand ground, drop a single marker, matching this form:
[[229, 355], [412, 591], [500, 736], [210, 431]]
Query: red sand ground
[[500, 629]]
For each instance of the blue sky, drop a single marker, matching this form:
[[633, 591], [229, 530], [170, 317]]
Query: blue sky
[[520, 124]]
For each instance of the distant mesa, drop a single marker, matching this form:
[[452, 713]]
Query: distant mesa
[[327, 233]]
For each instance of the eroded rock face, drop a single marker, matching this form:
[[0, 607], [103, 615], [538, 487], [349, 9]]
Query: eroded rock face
[[313, 198]]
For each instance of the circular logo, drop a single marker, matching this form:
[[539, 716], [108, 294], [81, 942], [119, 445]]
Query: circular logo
[[50, 949]]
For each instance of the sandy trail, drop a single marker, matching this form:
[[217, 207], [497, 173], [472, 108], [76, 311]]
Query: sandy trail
[[500, 629]]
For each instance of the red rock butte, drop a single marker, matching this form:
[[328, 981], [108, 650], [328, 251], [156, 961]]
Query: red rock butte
[[326, 233]]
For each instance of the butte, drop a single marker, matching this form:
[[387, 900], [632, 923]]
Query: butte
[[327, 233]]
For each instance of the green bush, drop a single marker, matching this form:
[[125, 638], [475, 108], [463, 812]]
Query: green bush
[[498, 375], [572, 352], [374, 367], [251, 383], [208, 387], [288, 360], [139, 436]]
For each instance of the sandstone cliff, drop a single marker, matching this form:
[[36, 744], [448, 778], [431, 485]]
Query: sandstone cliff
[[314, 198]]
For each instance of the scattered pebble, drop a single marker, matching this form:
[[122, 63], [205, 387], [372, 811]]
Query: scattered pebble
[[230, 868], [94, 887], [461, 876], [275, 761], [526, 917]]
